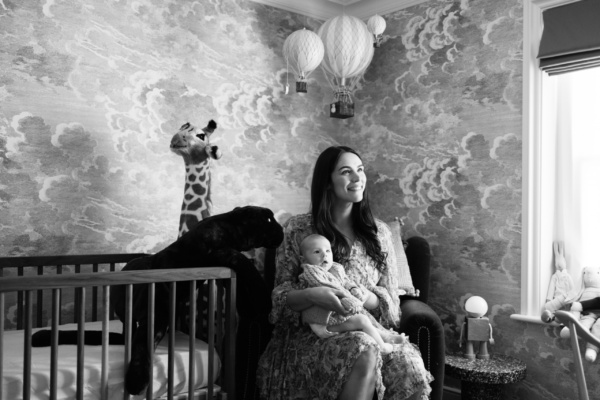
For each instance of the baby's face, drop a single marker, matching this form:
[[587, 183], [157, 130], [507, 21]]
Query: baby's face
[[318, 252]]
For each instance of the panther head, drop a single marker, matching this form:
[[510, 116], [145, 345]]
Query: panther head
[[258, 227]]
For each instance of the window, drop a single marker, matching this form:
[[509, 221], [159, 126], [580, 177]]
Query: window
[[540, 221]]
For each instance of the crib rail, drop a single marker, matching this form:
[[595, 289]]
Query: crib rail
[[59, 265], [219, 280]]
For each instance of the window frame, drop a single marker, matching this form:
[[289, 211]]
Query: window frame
[[536, 239]]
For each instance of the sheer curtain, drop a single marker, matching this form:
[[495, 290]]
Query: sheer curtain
[[577, 163]]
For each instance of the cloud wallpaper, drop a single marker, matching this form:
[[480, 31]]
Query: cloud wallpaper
[[92, 91]]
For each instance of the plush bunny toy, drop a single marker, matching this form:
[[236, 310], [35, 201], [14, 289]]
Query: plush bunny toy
[[589, 319], [561, 283]]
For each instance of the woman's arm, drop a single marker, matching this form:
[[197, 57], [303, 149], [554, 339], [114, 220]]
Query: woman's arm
[[386, 290], [324, 297]]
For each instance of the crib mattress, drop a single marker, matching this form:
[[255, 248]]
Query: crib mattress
[[12, 377]]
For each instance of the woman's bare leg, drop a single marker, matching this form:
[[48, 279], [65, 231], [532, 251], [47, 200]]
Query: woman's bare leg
[[361, 381]]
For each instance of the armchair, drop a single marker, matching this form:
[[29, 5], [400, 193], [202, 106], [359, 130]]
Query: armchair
[[419, 322], [422, 325]]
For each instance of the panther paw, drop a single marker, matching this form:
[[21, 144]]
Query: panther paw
[[136, 379], [41, 338]]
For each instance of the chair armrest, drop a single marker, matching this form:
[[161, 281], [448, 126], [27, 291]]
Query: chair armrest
[[567, 319], [424, 328], [418, 255]]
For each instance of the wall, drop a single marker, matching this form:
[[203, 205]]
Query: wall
[[91, 93]]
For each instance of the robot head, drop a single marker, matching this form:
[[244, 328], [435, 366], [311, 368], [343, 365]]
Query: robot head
[[476, 306]]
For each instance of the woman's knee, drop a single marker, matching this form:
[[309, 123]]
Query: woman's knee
[[361, 321], [366, 362]]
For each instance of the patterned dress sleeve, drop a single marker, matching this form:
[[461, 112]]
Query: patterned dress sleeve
[[287, 264], [356, 289], [386, 288]]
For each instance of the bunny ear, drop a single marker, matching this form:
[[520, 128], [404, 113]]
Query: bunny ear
[[561, 247]]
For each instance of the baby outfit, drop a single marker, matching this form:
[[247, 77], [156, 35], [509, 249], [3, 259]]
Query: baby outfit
[[319, 318]]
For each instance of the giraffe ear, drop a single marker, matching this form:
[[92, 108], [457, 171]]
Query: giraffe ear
[[185, 126]]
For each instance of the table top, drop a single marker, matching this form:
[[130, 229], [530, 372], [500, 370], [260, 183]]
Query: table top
[[499, 369]]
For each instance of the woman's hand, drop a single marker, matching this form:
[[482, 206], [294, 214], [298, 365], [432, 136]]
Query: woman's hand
[[324, 297]]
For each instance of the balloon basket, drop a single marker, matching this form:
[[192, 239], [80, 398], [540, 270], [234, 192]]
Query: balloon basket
[[341, 109], [301, 87]]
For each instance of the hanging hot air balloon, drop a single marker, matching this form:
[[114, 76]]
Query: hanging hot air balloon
[[348, 53], [376, 25], [303, 51]]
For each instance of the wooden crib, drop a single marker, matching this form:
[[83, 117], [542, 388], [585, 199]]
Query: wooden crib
[[41, 284]]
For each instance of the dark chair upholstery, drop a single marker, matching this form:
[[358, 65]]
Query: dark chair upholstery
[[419, 322], [422, 325]]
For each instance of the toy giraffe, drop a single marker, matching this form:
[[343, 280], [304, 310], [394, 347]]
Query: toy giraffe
[[195, 148]]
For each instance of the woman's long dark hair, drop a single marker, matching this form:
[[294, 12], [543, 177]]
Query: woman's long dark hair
[[322, 199]]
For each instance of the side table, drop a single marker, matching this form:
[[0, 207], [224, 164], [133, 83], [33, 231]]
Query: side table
[[485, 379]]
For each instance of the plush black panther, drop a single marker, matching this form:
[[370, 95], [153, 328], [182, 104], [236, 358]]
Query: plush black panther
[[214, 241]]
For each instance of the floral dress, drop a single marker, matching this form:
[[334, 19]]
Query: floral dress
[[297, 364]]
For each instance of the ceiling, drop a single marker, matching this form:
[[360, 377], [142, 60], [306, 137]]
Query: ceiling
[[325, 9]]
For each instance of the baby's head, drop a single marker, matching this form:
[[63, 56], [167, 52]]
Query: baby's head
[[316, 249]]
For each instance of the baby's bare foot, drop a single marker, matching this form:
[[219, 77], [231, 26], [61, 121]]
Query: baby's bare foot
[[396, 339], [387, 348]]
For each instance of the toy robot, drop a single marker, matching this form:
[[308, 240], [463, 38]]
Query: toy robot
[[476, 328]]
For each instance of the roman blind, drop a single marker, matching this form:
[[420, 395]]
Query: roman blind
[[571, 37]]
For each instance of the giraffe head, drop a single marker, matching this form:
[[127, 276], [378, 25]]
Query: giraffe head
[[194, 145]]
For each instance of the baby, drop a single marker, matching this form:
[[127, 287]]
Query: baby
[[320, 270]]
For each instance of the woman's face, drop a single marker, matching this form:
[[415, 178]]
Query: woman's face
[[348, 179]]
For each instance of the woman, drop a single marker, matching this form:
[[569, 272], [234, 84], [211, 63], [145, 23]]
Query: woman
[[298, 364]]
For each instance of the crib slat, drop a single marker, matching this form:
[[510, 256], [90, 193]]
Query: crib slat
[[127, 330], [39, 301], [171, 360], [150, 338], [230, 338], [54, 343], [211, 335], [80, 341], [220, 326], [20, 303], [95, 296], [192, 340], [59, 271], [1, 339], [27, 346], [112, 312], [104, 376]]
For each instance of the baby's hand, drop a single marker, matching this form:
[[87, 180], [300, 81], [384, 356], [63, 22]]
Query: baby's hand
[[356, 292], [349, 305]]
